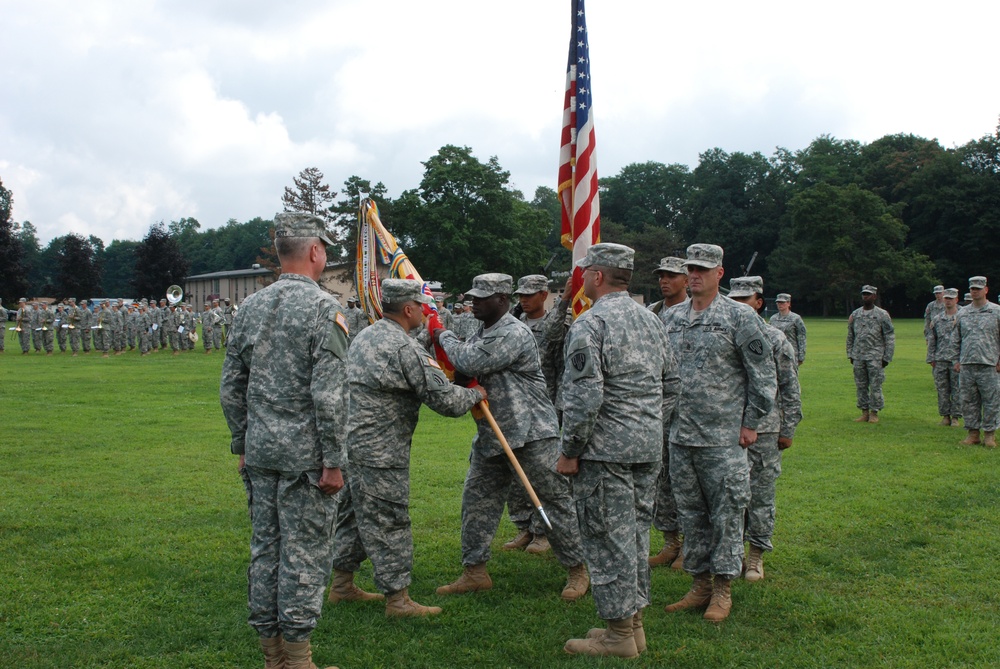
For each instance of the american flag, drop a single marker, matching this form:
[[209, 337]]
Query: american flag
[[581, 209]]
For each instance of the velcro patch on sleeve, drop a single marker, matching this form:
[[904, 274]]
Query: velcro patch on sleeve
[[342, 322]]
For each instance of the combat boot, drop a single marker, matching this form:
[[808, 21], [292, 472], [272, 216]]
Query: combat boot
[[638, 633], [618, 641], [671, 549], [298, 655], [863, 418], [873, 416], [399, 605], [722, 600], [945, 420], [697, 597], [678, 564], [989, 439], [755, 565], [519, 542], [972, 439], [473, 579], [274, 652], [576, 583], [539, 544], [344, 590], [954, 421]]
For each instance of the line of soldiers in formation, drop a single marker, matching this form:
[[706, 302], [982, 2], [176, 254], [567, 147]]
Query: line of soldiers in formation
[[115, 327]]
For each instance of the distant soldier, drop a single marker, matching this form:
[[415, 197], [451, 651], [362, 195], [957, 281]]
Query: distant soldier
[[871, 342], [22, 325], [3, 334], [132, 326], [61, 325], [144, 326], [103, 326], [933, 309], [220, 319], [73, 318], [228, 312], [444, 314], [47, 320], [357, 319], [975, 344], [672, 277], [791, 324], [774, 434], [207, 327], [465, 324], [161, 331], [86, 321], [118, 341], [37, 338], [946, 378]]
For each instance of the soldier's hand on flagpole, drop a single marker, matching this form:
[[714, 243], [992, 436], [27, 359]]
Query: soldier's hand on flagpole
[[482, 391]]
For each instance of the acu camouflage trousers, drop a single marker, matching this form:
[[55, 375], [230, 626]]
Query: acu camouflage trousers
[[980, 397], [946, 382], [765, 468], [665, 510], [869, 375]]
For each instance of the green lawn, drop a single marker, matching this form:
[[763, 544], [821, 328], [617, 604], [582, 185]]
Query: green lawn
[[123, 537]]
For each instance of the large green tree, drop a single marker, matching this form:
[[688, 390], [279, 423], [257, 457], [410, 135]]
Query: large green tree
[[77, 267], [118, 261], [158, 263], [647, 194], [465, 220], [13, 273]]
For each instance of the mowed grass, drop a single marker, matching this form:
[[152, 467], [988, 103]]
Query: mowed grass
[[124, 533]]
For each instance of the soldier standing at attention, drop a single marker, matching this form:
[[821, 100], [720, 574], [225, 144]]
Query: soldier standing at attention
[[143, 326], [47, 321], [502, 355], [946, 378], [871, 342], [774, 434], [933, 309], [207, 327], [673, 280], [22, 325], [619, 388], [729, 384], [86, 321], [390, 376], [975, 344], [284, 394], [61, 325], [791, 324]]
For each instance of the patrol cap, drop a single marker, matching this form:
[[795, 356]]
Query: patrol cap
[[938, 289], [746, 286], [295, 224], [968, 297], [485, 285], [72, 300], [951, 292], [531, 284], [467, 303], [868, 289], [671, 264], [607, 254], [23, 299], [704, 255], [396, 291], [977, 282], [783, 297]]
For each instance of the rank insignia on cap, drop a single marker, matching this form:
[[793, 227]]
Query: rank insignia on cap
[[342, 322]]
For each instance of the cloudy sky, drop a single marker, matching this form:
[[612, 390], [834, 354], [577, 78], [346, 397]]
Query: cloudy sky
[[115, 115]]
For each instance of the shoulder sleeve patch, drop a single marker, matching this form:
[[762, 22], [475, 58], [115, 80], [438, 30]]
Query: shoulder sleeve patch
[[342, 322], [432, 362], [336, 336], [580, 359]]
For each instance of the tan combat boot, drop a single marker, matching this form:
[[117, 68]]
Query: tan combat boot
[[972, 439], [344, 590], [671, 549], [945, 420], [618, 641], [274, 652], [873, 416], [399, 605], [989, 439], [539, 544], [954, 421], [697, 597], [755, 565], [298, 655], [576, 583], [638, 633], [863, 418], [473, 579], [678, 564], [519, 542], [722, 601]]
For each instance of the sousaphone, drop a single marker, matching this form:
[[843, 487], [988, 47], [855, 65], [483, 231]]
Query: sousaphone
[[175, 294]]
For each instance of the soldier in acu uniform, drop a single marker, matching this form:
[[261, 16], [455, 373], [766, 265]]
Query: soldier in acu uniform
[[933, 309], [504, 358], [791, 324], [390, 376], [619, 387], [975, 344], [871, 342], [284, 395], [946, 378], [729, 384], [22, 325]]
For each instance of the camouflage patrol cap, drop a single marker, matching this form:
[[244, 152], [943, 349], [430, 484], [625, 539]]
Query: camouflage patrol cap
[[607, 254], [531, 284], [467, 303], [977, 282], [23, 299], [938, 289], [396, 291], [708, 256], [485, 285], [967, 297], [294, 224], [783, 297], [746, 286], [951, 292], [72, 300], [868, 289], [671, 264]]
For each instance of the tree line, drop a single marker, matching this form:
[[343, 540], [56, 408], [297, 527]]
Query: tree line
[[902, 213]]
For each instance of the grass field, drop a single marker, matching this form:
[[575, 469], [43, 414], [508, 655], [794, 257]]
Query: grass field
[[124, 532]]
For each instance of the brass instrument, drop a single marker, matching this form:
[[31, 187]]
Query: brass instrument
[[175, 294]]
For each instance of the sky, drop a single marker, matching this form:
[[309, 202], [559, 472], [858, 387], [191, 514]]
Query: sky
[[117, 115]]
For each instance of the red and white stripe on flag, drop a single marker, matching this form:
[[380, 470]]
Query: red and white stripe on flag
[[581, 209]]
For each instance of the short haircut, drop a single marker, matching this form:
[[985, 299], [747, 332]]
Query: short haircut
[[293, 247], [395, 307], [618, 277]]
